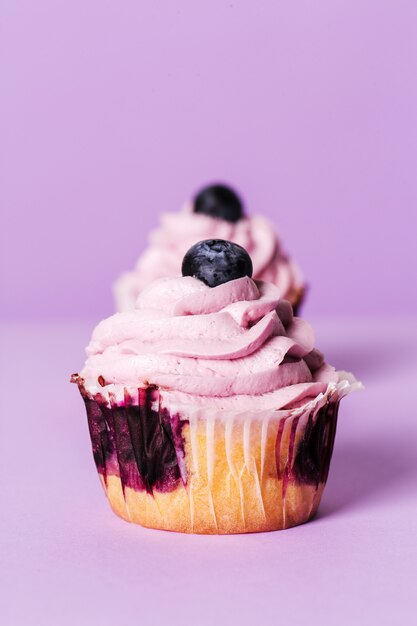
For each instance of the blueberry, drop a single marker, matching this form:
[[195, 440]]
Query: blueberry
[[219, 201], [215, 261]]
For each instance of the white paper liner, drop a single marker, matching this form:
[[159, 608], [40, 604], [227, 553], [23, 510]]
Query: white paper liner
[[232, 480]]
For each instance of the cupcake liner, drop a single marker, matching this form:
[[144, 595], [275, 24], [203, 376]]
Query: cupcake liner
[[297, 298], [209, 471]]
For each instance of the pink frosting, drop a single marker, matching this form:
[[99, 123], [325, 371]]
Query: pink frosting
[[179, 231], [232, 343]]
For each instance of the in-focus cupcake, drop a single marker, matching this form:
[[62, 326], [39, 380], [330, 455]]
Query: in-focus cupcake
[[209, 408], [216, 212]]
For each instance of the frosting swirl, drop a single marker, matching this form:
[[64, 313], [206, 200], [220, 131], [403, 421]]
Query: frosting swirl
[[235, 344], [179, 231]]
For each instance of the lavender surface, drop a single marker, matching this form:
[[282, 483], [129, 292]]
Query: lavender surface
[[59, 542]]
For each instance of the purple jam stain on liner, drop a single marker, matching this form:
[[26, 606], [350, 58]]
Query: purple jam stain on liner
[[102, 442], [176, 424], [148, 443], [331, 417], [130, 475], [314, 453], [287, 474], [296, 308]]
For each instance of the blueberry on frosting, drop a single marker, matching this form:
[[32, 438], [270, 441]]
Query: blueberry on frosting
[[215, 261], [219, 201]]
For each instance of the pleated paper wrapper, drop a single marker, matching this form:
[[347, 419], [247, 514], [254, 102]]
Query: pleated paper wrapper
[[209, 471]]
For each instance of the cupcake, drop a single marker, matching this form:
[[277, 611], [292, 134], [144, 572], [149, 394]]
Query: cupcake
[[215, 213], [209, 408]]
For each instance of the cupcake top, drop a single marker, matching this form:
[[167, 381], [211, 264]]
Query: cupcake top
[[212, 336], [215, 213]]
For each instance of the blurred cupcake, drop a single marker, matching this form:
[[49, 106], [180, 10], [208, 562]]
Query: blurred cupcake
[[209, 409], [215, 213]]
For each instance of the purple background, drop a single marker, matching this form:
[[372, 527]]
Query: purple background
[[115, 111], [112, 111]]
